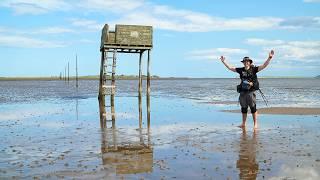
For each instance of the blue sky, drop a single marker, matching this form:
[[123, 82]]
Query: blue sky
[[38, 38]]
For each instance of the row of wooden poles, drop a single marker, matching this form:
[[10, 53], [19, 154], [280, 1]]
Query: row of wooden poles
[[65, 74]]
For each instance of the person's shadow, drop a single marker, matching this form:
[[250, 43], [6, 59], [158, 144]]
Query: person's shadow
[[247, 163]]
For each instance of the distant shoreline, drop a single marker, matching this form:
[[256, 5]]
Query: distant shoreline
[[121, 77], [55, 78], [86, 78]]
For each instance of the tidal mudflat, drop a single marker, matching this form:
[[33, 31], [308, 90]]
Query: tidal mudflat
[[58, 135]]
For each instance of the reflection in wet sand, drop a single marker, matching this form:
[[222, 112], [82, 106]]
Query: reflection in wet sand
[[77, 105], [122, 154], [140, 109], [107, 111], [122, 157], [113, 115], [102, 110], [247, 163]]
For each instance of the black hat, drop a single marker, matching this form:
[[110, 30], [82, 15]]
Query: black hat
[[247, 59]]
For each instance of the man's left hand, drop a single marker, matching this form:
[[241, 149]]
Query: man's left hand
[[271, 53]]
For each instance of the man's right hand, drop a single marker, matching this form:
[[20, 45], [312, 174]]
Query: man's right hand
[[222, 58], [231, 68]]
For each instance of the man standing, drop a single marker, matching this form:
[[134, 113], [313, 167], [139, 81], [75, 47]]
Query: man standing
[[249, 83]]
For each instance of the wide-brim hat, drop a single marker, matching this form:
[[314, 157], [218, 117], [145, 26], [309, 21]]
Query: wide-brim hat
[[246, 59]]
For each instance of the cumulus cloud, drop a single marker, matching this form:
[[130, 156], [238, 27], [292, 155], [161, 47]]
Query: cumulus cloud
[[304, 51], [168, 18], [165, 17], [215, 53]]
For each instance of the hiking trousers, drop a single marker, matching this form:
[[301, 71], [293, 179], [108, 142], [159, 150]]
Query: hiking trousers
[[247, 99]]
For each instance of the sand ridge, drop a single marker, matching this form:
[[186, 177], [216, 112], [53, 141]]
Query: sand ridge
[[285, 111]]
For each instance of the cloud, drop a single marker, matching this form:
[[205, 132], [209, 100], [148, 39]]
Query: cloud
[[263, 42], [165, 17], [87, 24], [307, 173], [43, 30], [34, 7], [311, 1], [21, 114], [53, 30], [301, 23], [87, 41], [117, 6], [3, 29], [26, 42], [168, 18], [215, 53], [142, 12], [27, 38], [304, 51]]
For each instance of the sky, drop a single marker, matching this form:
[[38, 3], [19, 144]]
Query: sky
[[39, 38]]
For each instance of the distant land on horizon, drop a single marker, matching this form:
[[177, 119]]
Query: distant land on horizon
[[134, 77]]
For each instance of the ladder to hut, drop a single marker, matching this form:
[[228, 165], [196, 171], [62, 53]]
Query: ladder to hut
[[108, 72], [125, 39]]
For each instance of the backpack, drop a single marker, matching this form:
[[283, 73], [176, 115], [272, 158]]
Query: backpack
[[244, 85]]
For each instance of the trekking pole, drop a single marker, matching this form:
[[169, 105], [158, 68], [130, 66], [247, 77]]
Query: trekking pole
[[264, 98]]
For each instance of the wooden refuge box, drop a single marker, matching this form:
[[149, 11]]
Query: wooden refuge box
[[126, 37]]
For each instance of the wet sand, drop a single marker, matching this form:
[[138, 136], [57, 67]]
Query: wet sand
[[186, 140], [284, 111]]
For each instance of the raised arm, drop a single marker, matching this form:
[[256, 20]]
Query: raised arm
[[265, 64], [231, 68]]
